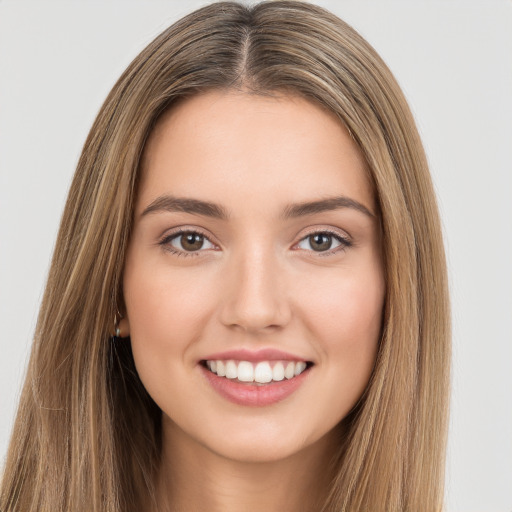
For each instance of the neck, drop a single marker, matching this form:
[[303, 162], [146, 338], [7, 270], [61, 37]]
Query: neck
[[192, 477]]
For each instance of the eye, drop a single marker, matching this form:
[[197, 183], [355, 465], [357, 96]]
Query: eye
[[187, 242], [323, 241]]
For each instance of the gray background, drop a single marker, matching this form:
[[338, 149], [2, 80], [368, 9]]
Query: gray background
[[58, 61]]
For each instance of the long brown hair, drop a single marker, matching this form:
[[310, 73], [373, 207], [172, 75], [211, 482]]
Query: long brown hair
[[87, 435]]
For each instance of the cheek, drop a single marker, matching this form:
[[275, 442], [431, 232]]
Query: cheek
[[348, 304], [344, 317], [166, 315], [158, 310], [341, 311]]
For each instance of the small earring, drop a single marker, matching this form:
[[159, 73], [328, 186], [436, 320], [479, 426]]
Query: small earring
[[117, 330]]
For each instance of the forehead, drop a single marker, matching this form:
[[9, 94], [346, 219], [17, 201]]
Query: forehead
[[224, 145]]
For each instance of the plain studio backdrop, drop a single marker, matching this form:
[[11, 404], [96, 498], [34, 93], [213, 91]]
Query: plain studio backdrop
[[453, 59]]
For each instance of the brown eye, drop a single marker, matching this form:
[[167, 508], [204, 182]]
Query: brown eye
[[323, 242], [192, 241], [320, 241], [188, 241]]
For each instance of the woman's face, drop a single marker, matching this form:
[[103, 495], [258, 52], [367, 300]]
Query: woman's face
[[255, 252]]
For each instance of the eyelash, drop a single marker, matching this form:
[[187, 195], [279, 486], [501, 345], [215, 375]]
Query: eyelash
[[165, 242], [345, 242]]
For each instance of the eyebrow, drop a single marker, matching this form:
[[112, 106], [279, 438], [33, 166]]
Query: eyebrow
[[324, 205], [167, 203]]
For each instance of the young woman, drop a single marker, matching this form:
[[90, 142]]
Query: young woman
[[247, 306]]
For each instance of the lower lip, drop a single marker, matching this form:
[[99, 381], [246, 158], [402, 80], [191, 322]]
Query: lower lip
[[252, 394]]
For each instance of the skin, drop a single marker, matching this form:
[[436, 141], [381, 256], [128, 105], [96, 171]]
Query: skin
[[255, 283]]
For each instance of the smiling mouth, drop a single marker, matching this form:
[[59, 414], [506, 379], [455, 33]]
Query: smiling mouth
[[259, 373]]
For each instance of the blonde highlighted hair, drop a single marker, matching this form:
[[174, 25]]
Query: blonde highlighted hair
[[83, 404]]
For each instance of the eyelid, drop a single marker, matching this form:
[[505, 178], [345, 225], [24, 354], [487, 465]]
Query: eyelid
[[342, 236], [165, 239], [337, 232]]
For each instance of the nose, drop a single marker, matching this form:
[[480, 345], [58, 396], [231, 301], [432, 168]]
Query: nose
[[255, 294]]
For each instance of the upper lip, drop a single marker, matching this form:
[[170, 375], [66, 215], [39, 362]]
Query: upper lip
[[265, 354]]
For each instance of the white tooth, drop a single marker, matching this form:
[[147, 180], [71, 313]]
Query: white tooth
[[263, 372], [278, 372], [290, 370], [300, 367], [231, 370], [221, 369], [213, 366], [245, 371]]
